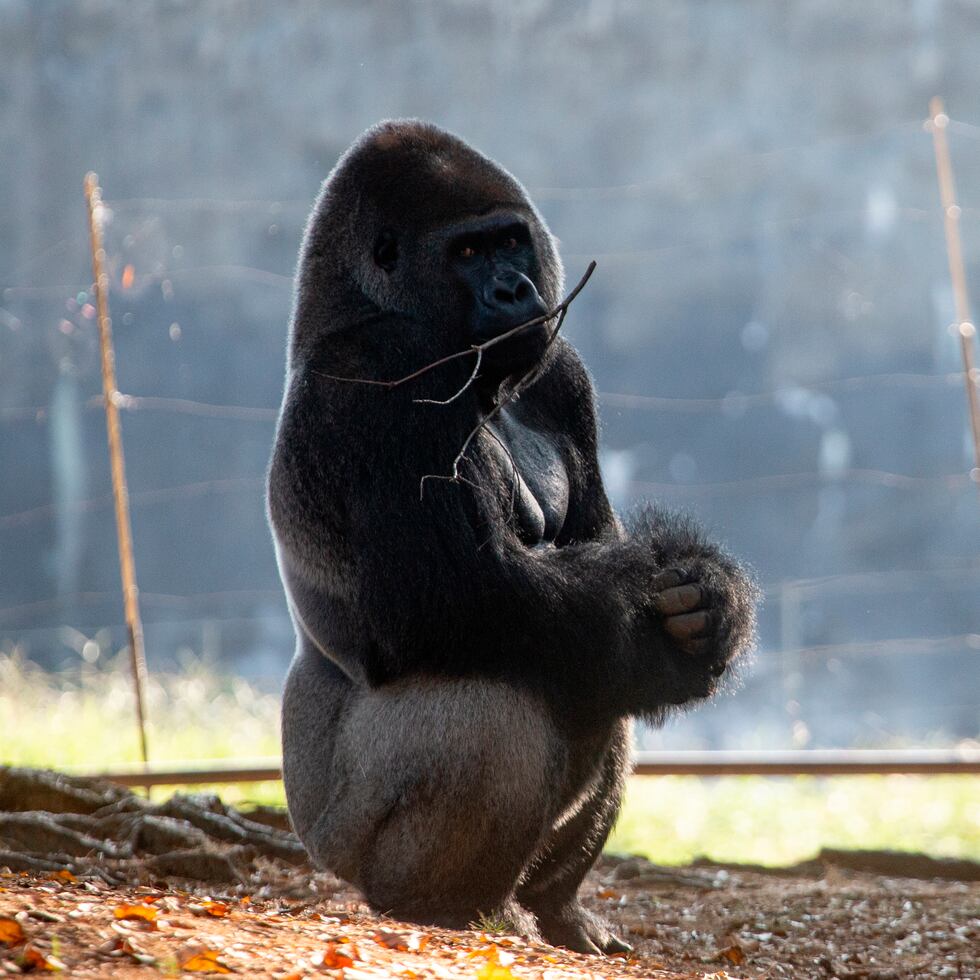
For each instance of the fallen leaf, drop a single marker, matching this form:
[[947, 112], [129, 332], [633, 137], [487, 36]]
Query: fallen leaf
[[333, 957], [63, 875], [119, 946], [205, 961], [145, 912], [33, 959], [494, 971], [217, 909], [734, 954], [608, 893], [11, 932], [128, 275], [391, 940]]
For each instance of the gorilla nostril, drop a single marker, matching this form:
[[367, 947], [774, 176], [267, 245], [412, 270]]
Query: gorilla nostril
[[503, 296], [523, 291]]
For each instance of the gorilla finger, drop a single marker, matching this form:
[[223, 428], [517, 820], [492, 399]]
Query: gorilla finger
[[668, 579], [688, 626], [681, 599]]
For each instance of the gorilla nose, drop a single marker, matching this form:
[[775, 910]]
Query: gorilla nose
[[513, 295]]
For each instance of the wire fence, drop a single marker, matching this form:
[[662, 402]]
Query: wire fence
[[798, 607]]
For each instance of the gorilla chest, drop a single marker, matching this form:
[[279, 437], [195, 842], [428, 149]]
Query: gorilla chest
[[535, 479]]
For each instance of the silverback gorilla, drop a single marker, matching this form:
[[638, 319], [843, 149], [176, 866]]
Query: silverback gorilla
[[456, 720]]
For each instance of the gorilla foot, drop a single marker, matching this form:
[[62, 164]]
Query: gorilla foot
[[578, 929], [511, 918]]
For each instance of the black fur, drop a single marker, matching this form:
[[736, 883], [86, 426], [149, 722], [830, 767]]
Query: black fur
[[493, 635]]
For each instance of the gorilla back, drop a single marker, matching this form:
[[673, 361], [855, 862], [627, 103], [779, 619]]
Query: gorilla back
[[469, 652]]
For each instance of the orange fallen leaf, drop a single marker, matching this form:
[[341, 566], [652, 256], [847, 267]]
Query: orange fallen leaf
[[146, 912], [417, 941], [63, 875], [608, 893], [128, 275], [391, 940], [208, 907], [11, 932], [734, 954], [490, 953], [33, 959], [333, 957], [206, 961]]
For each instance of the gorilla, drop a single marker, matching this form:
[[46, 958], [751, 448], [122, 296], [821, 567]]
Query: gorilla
[[471, 649]]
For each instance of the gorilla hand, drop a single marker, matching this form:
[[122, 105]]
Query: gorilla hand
[[704, 606]]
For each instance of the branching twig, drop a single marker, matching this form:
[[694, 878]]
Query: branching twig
[[520, 385], [477, 349]]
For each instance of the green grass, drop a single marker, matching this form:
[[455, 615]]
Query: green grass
[[781, 820], [84, 720]]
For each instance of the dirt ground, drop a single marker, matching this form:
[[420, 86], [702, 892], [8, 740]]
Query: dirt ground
[[682, 923], [97, 882]]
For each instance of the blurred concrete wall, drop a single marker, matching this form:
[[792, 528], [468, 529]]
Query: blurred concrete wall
[[753, 178]]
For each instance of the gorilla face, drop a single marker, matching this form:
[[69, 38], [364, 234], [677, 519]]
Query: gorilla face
[[484, 269], [494, 259]]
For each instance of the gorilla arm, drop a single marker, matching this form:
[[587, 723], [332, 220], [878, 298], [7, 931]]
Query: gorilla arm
[[697, 610]]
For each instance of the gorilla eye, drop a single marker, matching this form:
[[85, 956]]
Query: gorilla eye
[[466, 252], [510, 243], [386, 251]]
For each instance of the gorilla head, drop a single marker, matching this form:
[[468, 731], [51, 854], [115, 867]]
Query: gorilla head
[[423, 225]]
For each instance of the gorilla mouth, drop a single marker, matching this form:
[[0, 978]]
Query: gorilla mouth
[[515, 346]]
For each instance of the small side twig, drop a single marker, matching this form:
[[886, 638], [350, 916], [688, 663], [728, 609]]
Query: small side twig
[[474, 374]]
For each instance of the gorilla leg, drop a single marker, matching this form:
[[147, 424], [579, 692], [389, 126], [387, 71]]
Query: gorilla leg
[[430, 795], [550, 887]]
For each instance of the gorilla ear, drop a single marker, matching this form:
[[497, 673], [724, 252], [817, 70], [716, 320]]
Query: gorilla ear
[[386, 251]]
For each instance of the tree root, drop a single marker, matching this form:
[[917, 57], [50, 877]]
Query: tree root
[[50, 822], [44, 789]]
